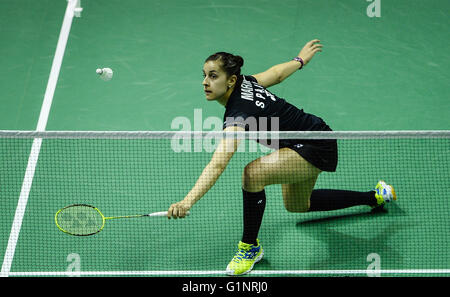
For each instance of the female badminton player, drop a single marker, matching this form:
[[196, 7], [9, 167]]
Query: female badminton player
[[296, 164]]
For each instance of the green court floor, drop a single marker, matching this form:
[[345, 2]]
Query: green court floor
[[381, 73]]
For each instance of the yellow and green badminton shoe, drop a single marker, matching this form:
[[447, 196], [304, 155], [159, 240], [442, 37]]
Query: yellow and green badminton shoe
[[384, 193], [245, 258]]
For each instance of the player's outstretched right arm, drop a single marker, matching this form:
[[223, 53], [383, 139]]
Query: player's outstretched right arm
[[211, 173]]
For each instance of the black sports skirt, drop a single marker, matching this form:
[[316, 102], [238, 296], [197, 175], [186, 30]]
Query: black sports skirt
[[322, 153]]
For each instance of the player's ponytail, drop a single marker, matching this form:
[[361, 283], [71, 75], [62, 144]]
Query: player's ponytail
[[231, 64]]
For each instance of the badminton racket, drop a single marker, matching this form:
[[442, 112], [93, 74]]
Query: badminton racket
[[85, 220]]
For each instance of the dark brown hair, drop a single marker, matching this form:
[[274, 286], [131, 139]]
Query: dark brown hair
[[231, 64]]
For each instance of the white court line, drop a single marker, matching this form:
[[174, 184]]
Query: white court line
[[222, 272], [35, 149]]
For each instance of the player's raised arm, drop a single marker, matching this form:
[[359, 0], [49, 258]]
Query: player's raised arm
[[276, 74]]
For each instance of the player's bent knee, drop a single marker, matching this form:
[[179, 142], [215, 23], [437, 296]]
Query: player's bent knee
[[290, 207], [252, 177], [294, 202]]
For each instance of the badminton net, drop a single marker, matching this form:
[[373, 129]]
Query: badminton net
[[127, 173]]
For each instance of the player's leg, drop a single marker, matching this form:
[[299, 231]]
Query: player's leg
[[300, 197], [296, 196], [282, 166], [298, 178]]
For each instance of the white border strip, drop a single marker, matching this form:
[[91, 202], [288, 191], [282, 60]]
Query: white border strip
[[241, 134], [222, 272], [21, 205], [35, 149], [56, 65]]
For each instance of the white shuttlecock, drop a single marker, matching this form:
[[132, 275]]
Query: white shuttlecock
[[105, 73]]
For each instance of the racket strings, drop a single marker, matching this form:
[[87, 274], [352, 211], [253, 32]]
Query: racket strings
[[80, 220]]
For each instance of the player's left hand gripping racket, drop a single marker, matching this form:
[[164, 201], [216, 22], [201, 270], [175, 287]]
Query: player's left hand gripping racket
[[84, 220]]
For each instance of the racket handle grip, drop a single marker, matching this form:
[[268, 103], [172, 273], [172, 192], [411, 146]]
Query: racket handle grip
[[162, 214]]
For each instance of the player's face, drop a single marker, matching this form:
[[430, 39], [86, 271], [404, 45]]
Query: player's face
[[215, 82]]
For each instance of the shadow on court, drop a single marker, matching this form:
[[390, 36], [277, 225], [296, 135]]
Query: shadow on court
[[337, 218], [350, 238]]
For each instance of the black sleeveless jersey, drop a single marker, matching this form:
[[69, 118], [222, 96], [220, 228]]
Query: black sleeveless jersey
[[254, 108]]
